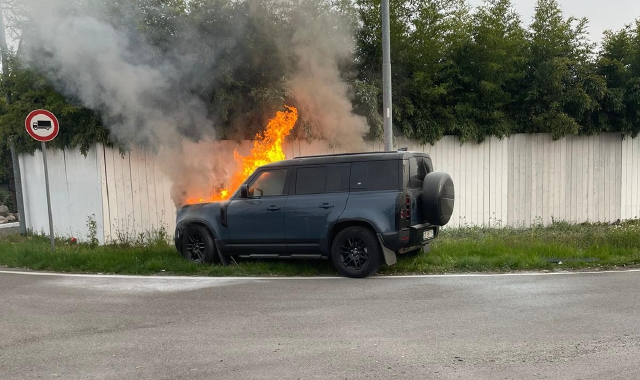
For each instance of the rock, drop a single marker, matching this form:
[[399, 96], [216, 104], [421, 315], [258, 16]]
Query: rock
[[4, 210], [11, 218], [3, 220]]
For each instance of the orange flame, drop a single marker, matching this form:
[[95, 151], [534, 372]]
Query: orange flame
[[267, 148]]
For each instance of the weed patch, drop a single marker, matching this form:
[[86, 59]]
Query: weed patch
[[468, 249]]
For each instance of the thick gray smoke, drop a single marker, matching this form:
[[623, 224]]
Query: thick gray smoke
[[321, 94], [153, 101], [110, 71]]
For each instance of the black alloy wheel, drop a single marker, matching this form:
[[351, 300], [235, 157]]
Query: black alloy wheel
[[355, 252], [198, 245], [195, 247]]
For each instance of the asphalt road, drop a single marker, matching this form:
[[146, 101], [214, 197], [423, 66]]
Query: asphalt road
[[573, 326]]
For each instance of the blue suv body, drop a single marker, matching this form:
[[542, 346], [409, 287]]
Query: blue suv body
[[359, 210]]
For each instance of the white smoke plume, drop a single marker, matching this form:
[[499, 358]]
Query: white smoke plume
[[104, 69], [321, 93], [152, 100]]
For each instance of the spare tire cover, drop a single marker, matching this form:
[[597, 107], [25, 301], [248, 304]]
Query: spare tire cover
[[437, 198]]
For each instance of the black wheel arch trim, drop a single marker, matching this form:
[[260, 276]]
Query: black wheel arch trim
[[184, 223], [389, 255], [332, 232]]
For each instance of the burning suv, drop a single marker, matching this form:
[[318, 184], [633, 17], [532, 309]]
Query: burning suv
[[359, 210]]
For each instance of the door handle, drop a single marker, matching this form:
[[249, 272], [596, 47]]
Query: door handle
[[273, 208], [325, 206]]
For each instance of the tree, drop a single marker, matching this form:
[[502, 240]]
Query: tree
[[554, 97], [425, 39], [619, 64], [456, 72], [493, 65]]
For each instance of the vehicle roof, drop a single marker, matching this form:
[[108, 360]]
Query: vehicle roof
[[345, 157]]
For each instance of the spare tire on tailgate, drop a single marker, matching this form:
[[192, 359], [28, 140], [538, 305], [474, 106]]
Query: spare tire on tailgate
[[437, 198]]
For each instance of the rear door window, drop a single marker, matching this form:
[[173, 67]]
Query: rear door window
[[311, 180], [338, 178], [332, 178]]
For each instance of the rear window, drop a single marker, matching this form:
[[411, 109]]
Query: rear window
[[418, 169], [375, 175]]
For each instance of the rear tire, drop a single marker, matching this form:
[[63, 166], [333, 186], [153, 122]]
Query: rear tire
[[198, 245], [356, 253]]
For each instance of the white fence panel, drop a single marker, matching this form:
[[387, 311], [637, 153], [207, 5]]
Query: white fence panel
[[76, 192], [518, 181], [138, 196], [630, 179]]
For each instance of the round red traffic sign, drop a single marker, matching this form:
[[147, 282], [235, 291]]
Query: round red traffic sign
[[42, 125]]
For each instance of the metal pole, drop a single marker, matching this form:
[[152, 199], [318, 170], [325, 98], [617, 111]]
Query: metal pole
[[46, 180], [386, 78], [17, 184]]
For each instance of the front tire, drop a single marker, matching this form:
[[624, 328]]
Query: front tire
[[356, 253], [198, 245]]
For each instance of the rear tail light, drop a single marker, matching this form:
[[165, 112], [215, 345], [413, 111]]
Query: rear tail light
[[405, 210]]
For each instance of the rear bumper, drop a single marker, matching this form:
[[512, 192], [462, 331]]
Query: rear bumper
[[408, 239]]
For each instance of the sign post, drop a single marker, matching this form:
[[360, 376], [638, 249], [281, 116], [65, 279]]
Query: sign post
[[43, 126]]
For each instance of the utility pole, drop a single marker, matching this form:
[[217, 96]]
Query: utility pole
[[386, 78]]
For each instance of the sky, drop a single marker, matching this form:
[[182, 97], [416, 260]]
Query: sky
[[602, 14]]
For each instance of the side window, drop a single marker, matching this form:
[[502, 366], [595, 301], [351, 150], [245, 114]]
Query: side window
[[268, 183], [375, 175], [311, 180], [338, 178], [359, 175]]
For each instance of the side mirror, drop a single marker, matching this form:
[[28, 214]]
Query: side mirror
[[244, 191]]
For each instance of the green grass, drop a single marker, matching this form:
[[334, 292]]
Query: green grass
[[34, 252], [472, 249], [477, 249]]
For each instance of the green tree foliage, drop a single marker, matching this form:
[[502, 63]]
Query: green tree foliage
[[493, 65], [619, 65], [426, 38], [555, 99], [479, 74], [32, 91], [471, 73]]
